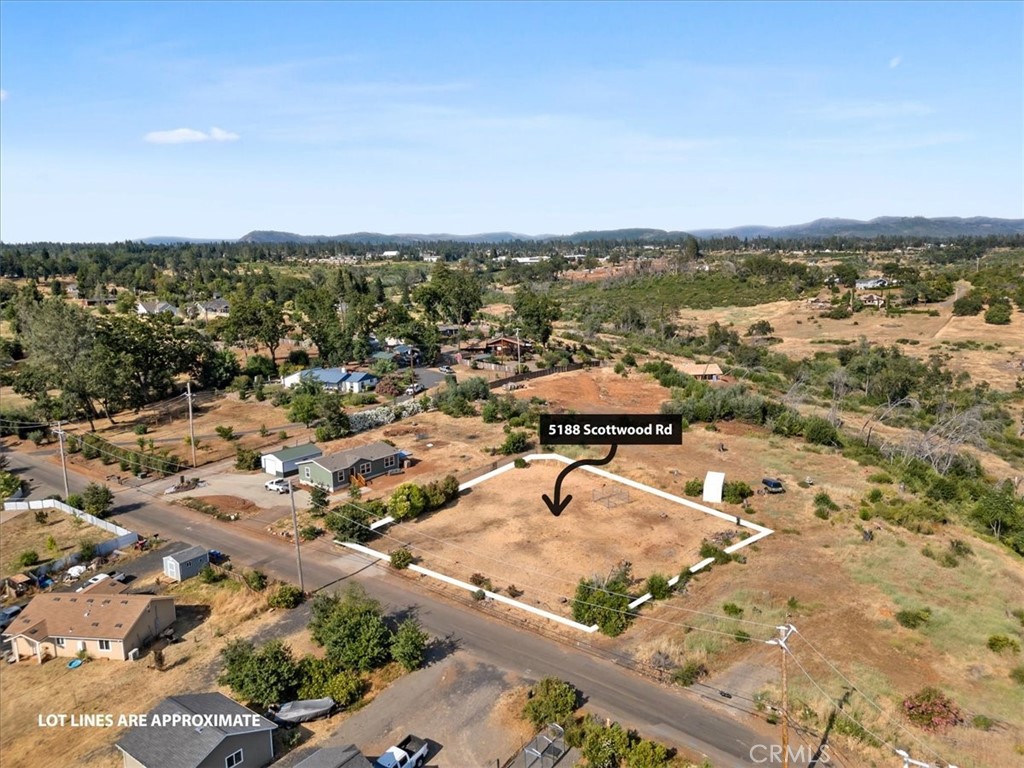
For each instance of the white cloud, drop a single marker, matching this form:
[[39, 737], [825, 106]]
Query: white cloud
[[895, 61], [3, 95], [189, 136]]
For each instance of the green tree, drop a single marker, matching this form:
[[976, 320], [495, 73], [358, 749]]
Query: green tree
[[318, 500], [409, 645], [604, 602], [304, 408], [97, 500], [970, 303], [998, 313], [553, 701], [265, 676], [647, 754], [536, 312], [604, 746], [407, 501], [351, 629]]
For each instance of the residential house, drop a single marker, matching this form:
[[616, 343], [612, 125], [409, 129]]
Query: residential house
[[285, 461], [338, 379], [871, 283], [347, 756], [507, 346], [355, 465], [186, 563], [155, 308], [204, 310], [102, 620], [389, 255], [199, 730], [702, 371], [872, 300]]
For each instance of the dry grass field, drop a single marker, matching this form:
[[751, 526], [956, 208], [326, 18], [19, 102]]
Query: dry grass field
[[21, 533], [502, 529]]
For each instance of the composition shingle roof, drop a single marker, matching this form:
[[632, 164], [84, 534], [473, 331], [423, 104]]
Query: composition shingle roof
[[347, 756], [186, 746], [345, 459], [308, 451], [82, 615]]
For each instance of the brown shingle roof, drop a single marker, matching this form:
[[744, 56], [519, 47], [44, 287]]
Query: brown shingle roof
[[92, 615]]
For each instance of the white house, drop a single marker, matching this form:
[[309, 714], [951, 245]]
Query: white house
[[155, 308], [339, 379]]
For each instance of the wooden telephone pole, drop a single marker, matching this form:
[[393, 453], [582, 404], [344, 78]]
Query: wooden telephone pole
[[191, 427], [784, 632]]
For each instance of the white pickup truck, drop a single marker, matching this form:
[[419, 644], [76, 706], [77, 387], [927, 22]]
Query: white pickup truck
[[410, 751]]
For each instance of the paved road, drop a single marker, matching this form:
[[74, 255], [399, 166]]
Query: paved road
[[665, 713]]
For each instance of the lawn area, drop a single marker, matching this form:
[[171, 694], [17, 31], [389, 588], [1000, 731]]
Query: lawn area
[[22, 533]]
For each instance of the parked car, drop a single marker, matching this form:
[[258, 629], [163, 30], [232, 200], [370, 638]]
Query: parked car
[[280, 485], [772, 485], [94, 580], [414, 389], [118, 576], [447, 370], [7, 615]]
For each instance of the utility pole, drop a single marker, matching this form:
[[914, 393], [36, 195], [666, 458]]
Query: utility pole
[[295, 529], [63, 462], [191, 427], [519, 353], [784, 632]]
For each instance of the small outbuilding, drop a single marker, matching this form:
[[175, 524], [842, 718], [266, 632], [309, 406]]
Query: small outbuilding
[[186, 563], [285, 462], [347, 756]]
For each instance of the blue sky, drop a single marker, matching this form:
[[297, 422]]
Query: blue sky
[[123, 120]]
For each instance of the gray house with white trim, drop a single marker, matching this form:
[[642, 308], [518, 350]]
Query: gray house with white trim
[[186, 563], [234, 737], [354, 465]]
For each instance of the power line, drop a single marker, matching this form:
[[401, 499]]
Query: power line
[[870, 701]]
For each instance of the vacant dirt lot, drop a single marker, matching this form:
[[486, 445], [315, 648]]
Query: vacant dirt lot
[[23, 533], [597, 390], [502, 529]]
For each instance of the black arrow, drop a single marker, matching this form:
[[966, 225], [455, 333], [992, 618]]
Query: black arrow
[[556, 506]]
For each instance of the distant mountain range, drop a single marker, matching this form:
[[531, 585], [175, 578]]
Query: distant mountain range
[[892, 226]]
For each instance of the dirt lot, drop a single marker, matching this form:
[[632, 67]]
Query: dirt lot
[[502, 529], [597, 390], [22, 533]]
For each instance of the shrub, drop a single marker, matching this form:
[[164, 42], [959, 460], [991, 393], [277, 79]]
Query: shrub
[[409, 645], [604, 602], [690, 673], [707, 549], [479, 595], [407, 501], [551, 701], [970, 303], [818, 431], [246, 459], [1000, 643], [1017, 674], [514, 591], [882, 478], [931, 710], [97, 500], [998, 314], [310, 532], [86, 550], [961, 548], [282, 435], [209, 575], [824, 501], [521, 463], [285, 596], [912, 619], [742, 636], [257, 580], [983, 723], [658, 586], [875, 495], [42, 516], [733, 610], [28, 558], [140, 429], [401, 559], [735, 491], [226, 433], [694, 487], [515, 442]]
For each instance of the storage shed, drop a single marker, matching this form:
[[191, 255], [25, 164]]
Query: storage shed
[[285, 462], [186, 563]]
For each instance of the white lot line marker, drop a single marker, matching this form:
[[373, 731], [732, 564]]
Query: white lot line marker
[[762, 532]]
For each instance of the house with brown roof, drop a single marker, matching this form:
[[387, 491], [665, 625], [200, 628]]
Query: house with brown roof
[[102, 620], [872, 300]]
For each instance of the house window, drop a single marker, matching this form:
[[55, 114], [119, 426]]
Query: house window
[[365, 468], [104, 645], [235, 758], [390, 461], [59, 642], [306, 470]]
